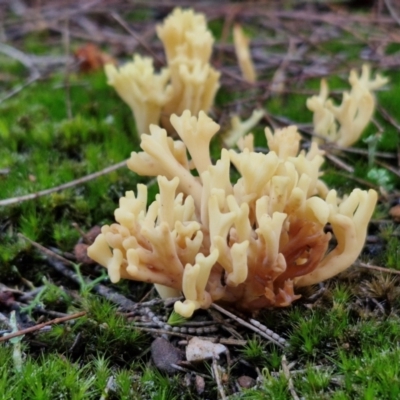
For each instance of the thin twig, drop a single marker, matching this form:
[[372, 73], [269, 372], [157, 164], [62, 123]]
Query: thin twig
[[188, 371], [58, 263], [280, 343], [218, 379], [18, 55], [67, 45], [228, 341], [75, 182], [286, 372], [21, 57], [233, 342], [40, 326], [269, 332], [364, 152], [358, 180], [339, 163], [45, 250], [19, 88], [395, 171], [118, 18], [392, 11], [377, 268]]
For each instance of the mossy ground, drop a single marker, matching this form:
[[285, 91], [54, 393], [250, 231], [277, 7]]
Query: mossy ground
[[344, 342]]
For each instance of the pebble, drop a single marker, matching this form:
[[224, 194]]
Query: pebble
[[164, 354], [246, 382]]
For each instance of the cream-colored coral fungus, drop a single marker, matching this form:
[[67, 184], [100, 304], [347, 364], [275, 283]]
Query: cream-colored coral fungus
[[248, 243], [188, 47], [240, 128], [344, 124], [242, 50], [145, 91], [189, 81]]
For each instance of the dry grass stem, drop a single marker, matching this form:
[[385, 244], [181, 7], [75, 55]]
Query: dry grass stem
[[40, 326]]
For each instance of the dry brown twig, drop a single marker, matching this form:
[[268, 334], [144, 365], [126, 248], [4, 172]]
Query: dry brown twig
[[286, 372], [377, 268], [265, 333], [67, 46], [392, 11], [137, 37], [395, 171], [24, 59], [44, 250], [40, 326], [217, 377], [59, 264], [232, 342], [339, 163], [68, 185]]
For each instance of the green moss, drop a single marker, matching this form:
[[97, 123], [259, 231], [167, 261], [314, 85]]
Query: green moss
[[254, 351], [344, 343], [272, 387], [216, 27], [314, 381], [393, 253]]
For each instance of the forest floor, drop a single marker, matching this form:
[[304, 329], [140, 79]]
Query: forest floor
[[64, 138]]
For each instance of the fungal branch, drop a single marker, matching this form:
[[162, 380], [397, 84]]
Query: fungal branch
[[188, 82], [249, 243], [344, 124]]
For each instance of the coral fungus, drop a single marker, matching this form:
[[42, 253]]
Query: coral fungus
[[242, 51], [344, 124], [188, 82], [145, 91], [249, 243]]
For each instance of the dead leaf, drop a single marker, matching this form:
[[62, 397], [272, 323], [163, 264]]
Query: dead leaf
[[395, 213], [199, 349], [91, 58], [80, 252]]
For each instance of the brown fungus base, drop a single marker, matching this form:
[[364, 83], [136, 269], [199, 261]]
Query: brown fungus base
[[303, 246]]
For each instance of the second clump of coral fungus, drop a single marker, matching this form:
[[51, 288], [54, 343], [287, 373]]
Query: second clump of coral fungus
[[345, 123], [249, 243], [188, 82]]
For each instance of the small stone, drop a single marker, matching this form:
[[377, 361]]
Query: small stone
[[164, 354], [246, 382], [395, 213], [200, 384], [187, 381]]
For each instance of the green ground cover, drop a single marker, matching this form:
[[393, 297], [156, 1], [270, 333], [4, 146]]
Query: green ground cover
[[65, 125]]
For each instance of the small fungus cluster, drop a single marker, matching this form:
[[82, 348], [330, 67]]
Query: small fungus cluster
[[344, 124], [242, 50], [188, 82], [250, 242]]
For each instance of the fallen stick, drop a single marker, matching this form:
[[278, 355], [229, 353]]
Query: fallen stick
[[377, 268], [279, 342], [59, 264], [40, 326], [68, 185], [286, 372]]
